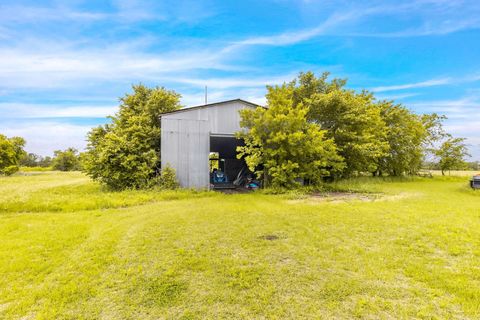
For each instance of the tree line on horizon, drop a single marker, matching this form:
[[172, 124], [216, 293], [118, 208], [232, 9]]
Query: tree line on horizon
[[313, 129], [13, 157]]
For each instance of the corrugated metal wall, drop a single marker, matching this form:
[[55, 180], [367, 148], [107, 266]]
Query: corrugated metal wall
[[186, 139], [185, 147]]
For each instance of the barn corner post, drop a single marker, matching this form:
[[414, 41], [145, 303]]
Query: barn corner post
[[208, 163]]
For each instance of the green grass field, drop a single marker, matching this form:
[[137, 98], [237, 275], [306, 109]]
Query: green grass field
[[408, 248]]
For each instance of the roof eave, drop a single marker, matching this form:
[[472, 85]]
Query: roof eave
[[213, 104]]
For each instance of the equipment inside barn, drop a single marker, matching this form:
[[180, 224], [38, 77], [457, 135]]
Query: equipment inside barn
[[475, 182], [225, 168]]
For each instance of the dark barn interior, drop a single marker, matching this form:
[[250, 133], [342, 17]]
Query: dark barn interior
[[226, 147]]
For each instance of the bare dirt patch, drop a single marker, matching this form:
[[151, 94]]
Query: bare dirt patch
[[233, 190], [269, 237]]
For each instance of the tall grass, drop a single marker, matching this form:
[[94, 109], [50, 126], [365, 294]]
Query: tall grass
[[71, 250]]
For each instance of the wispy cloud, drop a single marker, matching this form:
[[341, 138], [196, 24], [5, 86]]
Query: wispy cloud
[[463, 116], [437, 18], [429, 29], [38, 111], [423, 84], [429, 83], [126, 12], [397, 96], [464, 107], [292, 37], [41, 67], [348, 15], [27, 14]]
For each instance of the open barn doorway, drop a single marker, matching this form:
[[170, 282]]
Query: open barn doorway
[[226, 170]]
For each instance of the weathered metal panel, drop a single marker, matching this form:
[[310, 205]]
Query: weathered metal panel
[[185, 147], [223, 118]]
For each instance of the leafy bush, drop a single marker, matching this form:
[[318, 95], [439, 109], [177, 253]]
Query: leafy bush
[[11, 151], [168, 179], [8, 171]]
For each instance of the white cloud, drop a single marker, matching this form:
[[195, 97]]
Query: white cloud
[[328, 27], [27, 14], [441, 28], [43, 64], [178, 11], [293, 37], [41, 67], [125, 12], [428, 83], [462, 118], [19, 110], [467, 129], [457, 104], [46, 137], [396, 96], [423, 84], [429, 29], [463, 108]]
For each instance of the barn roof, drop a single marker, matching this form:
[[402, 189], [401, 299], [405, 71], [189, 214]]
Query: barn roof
[[212, 105]]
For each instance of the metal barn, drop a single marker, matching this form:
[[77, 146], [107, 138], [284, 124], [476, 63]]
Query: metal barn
[[190, 135]]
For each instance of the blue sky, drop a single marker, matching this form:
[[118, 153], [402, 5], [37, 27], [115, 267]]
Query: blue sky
[[63, 64]]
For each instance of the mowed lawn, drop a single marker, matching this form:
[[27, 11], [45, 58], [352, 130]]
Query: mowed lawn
[[70, 250]]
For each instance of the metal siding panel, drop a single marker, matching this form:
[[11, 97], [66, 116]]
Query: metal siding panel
[[183, 151], [222, 118], [197, 155], [185, 146], [169, 146]]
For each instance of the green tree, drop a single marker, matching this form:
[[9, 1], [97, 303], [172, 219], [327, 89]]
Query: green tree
[[451, 154], [11, 151], [474, 165], [29, 160], [126, 152], [352, 120], [406, 136], [282, 145], [35, 160], [45, 162], [67, 160], [372, 136]]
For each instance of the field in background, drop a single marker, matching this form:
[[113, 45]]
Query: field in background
[[458, 173], [404, 248]]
